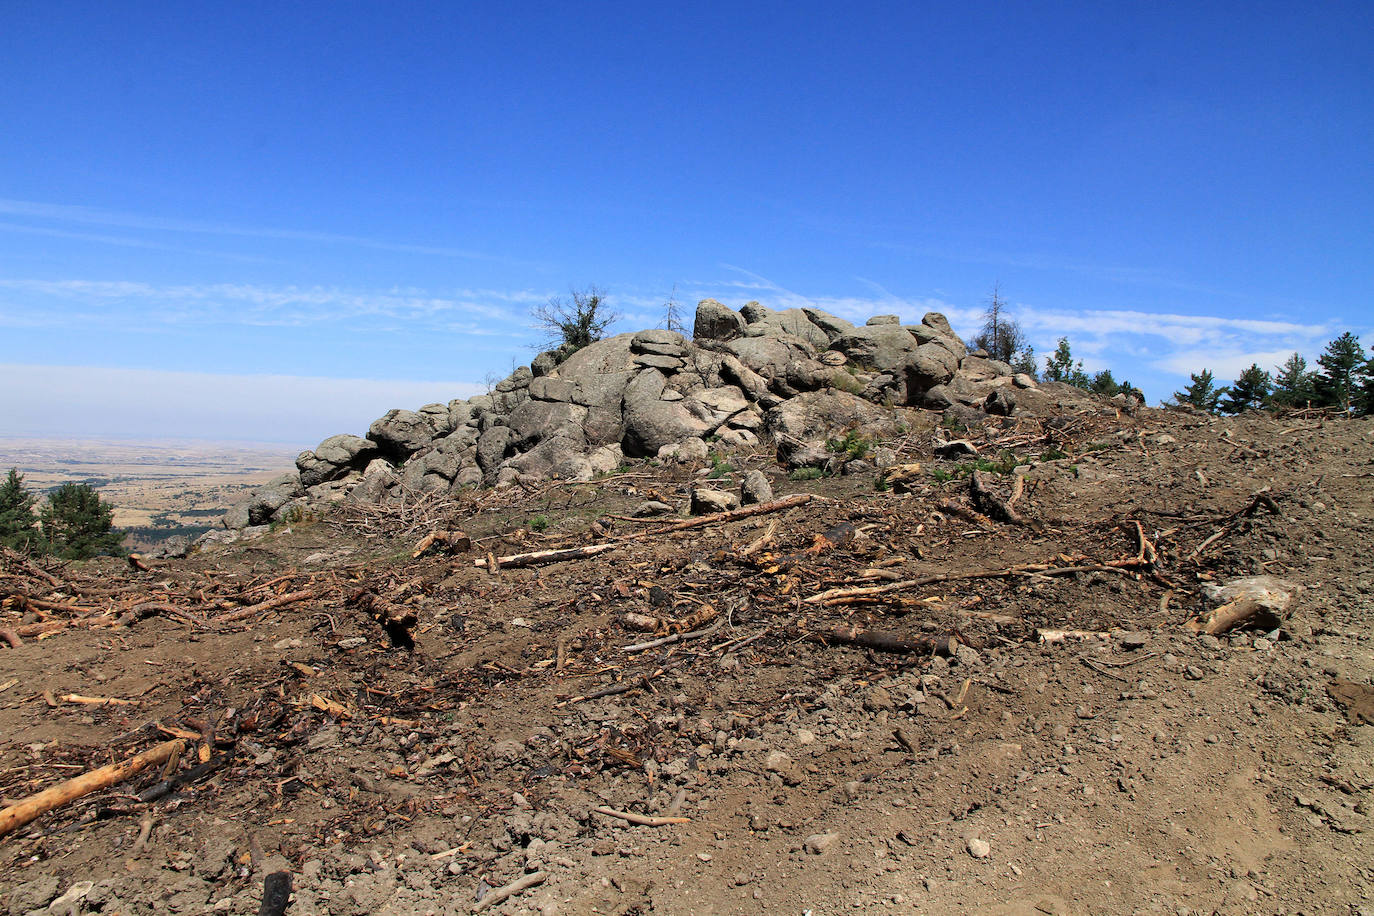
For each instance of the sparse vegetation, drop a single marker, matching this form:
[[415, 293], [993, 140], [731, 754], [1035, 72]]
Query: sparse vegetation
[[806, 474], [1001, 337], [1061, 367], [574, 323], [720, 466], [77, 524], [853, 445]]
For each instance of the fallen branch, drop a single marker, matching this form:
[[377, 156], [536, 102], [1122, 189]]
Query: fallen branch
[[96, 701], [845, 595], [676, 637], [35, 806], [518, 886], [194, 774], [12, 638], [777, 505], [269, 604], [455, 541], [642, 820], [993, 505], [879, 641], [540, 557]]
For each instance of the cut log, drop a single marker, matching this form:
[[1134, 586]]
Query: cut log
[[35, 806], [540, 557], [1260, 600], [452, 541], [397, 619]]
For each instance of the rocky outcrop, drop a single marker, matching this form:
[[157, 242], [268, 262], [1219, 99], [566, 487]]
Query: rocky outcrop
[[795, 376]]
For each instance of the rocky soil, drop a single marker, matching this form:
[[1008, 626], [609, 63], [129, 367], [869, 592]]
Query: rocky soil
[[989, 765]]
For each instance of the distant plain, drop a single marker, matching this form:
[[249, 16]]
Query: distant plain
[[155, 486]]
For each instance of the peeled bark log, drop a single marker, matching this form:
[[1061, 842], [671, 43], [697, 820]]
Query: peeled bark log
[[35, 806]]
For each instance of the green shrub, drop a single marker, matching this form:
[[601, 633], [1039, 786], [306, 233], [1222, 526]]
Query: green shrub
[[539, 523], [853, 445]]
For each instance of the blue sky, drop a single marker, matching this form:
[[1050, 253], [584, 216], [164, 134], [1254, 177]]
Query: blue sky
[[274, 221]]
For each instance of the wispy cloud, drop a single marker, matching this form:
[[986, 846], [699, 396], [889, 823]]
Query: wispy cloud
[[93, 216], [126, 242], [30, 303]]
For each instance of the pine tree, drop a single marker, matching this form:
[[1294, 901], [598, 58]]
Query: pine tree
[[18, 527], [1342, 364], [1365, 398], [1001, 336], [1025, 362], [1061, 367], [1102, 383], [1250, 392], [78, 524], [1293, 384], [1201, 392]]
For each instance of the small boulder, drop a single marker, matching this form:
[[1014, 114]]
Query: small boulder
[[716, 321], [755, 488], [707, 501]]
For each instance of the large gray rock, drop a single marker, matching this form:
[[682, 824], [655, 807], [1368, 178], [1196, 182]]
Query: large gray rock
[[534, 421], [460, 413], [552, 389], [260, 505], [883, 346], [791, 322], [563, 454], [717, 406], [444, 460], [494, 447], [822, 413], [940, 324], [769, 356], [650, 422], [976, 368], [706, 501], [755, 488], [930, 365], [734, 372], [716, 321], [600, 372], [379, 477], [401, 432], [659, 342], [333, 458], [439, 418], [832, 325]]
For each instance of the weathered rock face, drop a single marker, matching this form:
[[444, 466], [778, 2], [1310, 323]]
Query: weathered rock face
[[333, 458], [402, 432], [797, 376]]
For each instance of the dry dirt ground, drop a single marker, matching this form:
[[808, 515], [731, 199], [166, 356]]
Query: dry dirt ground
[[1145, 769]]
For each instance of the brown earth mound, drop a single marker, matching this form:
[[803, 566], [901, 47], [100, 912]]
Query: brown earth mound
[[968, 687]]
